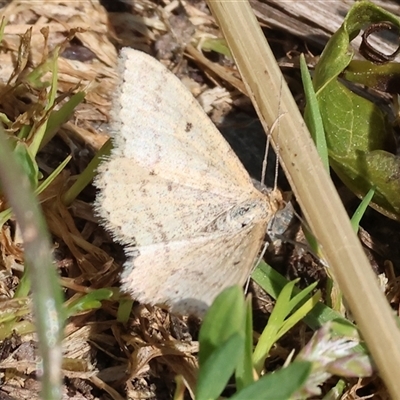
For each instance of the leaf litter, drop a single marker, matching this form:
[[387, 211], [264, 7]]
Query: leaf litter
[[104, 358]]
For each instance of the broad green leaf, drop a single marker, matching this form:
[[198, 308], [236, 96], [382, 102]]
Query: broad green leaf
[[380, 170], [358, 132], [383, 77], [218, 368], [280, 385], [225, 344], [225, 317]]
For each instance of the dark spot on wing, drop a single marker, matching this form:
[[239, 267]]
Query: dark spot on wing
[[162, 234], [188, 127]]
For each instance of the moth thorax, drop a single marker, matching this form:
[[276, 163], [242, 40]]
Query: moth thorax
[[242, 215]]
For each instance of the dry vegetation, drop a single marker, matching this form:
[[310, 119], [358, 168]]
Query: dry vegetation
[[105, 359]]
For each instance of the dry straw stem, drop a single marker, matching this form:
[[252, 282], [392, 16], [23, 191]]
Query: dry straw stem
[[312, 185]]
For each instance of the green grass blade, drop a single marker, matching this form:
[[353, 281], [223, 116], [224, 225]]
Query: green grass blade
[[312, 115], [87, 175], [47, 295], [278, 386], [358, 214], [273, 283], [244, 371]]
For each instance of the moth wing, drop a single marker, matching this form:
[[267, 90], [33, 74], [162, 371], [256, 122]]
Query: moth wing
[[187, 275], [167, 177], [141, 209], [160, 126], [170, 176]]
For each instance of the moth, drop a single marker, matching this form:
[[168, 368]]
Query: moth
[[174, 193]]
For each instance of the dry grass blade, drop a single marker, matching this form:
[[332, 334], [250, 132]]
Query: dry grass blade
[[312, 186]]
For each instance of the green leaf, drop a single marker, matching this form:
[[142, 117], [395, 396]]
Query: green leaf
[[244, 372], [216, 44], [89, 301], [382, 77], [376, 169], [312, 115], [27, 163], [358, 214], [280, 322], [59, 117], [124, 310], [46, 183], [225, 344], [280, 385], [218, 368], [273, 283], [336, 392], [6, 214], [85, 177], [225, 317], [358, 133], [299, 314], [40, 131]]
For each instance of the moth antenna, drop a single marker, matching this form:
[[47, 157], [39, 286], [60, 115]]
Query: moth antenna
[[264, 163], [276, 123]]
